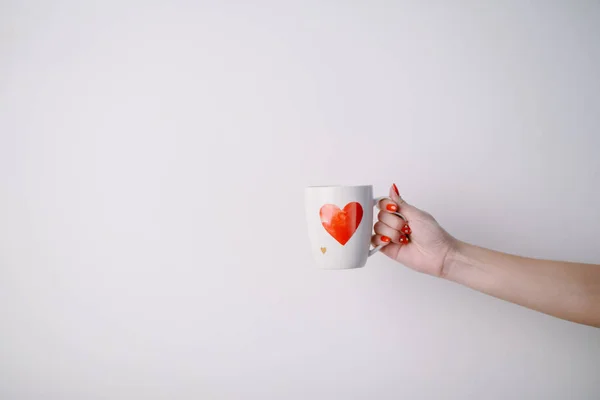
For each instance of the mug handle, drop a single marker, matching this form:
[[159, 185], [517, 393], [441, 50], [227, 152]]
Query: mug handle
[[376, 204]]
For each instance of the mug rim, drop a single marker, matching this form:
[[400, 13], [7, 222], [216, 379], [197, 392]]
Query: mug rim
[[337, 186]]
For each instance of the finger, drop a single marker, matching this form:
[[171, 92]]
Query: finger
[[394, 221], [378, 240], [404, 239], [395, 235], [407, 209], [387, 204], [395, 195], [390, 249], [382, 229], [393, 226]]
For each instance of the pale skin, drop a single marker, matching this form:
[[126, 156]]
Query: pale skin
[[566, 290]]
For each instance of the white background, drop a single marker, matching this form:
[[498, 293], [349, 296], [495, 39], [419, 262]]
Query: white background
[[152, 165]]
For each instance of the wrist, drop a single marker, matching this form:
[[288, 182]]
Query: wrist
[[451, 264]]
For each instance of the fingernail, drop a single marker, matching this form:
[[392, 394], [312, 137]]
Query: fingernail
[[392, 207], [406, 229], [403, 239], [385, 239], [395, 189]]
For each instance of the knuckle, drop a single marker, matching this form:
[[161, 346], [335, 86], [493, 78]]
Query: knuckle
[[399, 222], [395, 222]]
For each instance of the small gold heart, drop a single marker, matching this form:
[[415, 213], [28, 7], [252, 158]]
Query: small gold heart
[[323, 250]]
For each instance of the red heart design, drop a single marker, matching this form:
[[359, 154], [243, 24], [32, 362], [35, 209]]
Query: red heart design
[[341, 224]]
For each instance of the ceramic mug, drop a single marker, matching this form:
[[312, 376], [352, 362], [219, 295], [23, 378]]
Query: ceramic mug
[[340, 225]]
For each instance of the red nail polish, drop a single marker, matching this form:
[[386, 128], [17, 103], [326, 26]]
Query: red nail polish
[[385, 239], [395, 189], [406, 229], [392, 207], [403, 239]]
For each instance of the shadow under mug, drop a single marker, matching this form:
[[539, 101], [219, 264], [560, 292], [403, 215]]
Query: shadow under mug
[[340, 225]]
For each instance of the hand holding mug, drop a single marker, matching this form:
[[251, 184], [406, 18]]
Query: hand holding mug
[[339, 220], [429, 243]]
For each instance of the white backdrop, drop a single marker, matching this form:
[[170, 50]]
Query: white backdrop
[[152, 166]]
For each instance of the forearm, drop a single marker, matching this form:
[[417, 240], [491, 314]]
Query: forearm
[[565, 290]]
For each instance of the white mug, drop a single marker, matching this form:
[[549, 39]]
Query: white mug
[[340, 225]]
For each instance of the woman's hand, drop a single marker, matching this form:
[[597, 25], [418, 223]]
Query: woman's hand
[[563, 289], [421, 243]]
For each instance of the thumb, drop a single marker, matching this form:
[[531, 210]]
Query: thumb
[[397, 198], [395, 194]]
